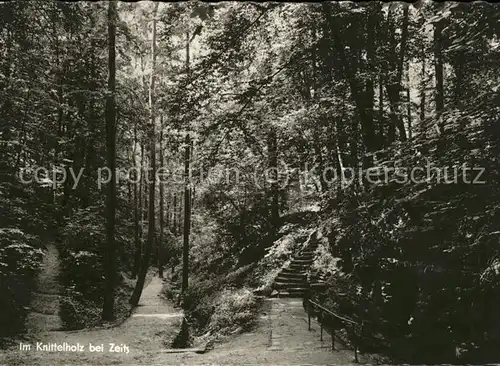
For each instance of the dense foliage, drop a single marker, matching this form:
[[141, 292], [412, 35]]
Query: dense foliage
[[230, 91]]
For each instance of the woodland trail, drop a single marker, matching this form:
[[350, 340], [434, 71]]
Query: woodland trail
[[44, 307], [281, 337], [152, 323]]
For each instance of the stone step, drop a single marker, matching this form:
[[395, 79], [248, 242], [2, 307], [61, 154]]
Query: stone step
[[291, 276], [304, 257], [299, 266], [288, 285], [302, 271], [307, 252], [293, 293], [301, 261], [297, 289]]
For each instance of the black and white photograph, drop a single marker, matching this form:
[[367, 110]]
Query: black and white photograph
[[249, 183]]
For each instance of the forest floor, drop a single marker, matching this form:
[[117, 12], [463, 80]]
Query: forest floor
[[280, 337], [152, 323]]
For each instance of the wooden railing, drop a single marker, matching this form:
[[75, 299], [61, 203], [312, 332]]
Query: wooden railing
[[355, 327]]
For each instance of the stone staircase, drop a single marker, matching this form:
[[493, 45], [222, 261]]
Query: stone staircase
[[295, 279]]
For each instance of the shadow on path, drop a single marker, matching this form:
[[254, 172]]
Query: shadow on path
[[281, 337], [143, 333]]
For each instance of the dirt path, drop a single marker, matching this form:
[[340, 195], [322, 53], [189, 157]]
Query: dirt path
[[281, 337], [144, 333], [44, 307]]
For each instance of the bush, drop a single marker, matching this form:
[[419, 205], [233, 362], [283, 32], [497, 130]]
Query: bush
[[233, 310], [82, 272], [78, 313], [198, 300], [19, 262]]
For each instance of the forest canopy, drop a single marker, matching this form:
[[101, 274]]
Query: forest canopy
[[195, 133]]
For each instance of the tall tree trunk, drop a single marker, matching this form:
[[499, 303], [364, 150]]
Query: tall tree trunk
[[394, 86], [438, 65], [408, 99], [423, 85], [140, 218], [136, 295], [459, 63], [187, 196], [369, 93], [180, 222], [167, 210], [367, 128], [147, 181], [137, 240], [273, 166], [110, 253], [160, 243], [317, 143], [187, 218], [174, 215], [381, 110]]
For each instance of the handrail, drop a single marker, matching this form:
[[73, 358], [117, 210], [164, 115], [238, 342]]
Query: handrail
[[332, 313], [311, 304]]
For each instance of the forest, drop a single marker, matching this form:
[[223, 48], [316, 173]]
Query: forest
[[207, 144]]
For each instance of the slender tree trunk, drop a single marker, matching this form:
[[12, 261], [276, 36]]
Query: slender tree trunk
[[459, 76], [140, 217], [273, 166], [137, 242], [395, 86], [381, 110], [193, 187], [187, 197], [356, 88], [174, 215], [369, 93], [110, 253], [423, 85], [180, 221], [187, 219], [136, 295], [408, 99], [317, 143], [146, 186], [160, 243], [167, 217], [438, 65]]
